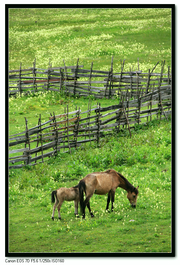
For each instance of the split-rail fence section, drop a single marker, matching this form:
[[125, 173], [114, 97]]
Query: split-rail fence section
[[141, 97]]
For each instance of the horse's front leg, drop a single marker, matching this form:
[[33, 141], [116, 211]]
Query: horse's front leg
[[112, 199], [108, 200]]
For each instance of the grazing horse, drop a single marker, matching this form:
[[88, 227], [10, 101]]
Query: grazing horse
[[66, 194], [102, 183]]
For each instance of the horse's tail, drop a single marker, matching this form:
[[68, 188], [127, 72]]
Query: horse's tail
[[82, 188], [53, 194]]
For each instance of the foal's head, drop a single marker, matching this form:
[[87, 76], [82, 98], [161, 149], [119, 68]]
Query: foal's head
[[132, 196]]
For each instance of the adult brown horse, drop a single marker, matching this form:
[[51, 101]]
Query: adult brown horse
[[102, 183]]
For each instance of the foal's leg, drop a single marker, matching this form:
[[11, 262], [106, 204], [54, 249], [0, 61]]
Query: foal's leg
[[59, 207], [76, 208], [54, 208]]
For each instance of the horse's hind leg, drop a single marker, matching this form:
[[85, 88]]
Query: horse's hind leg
[[86, 203], [54, 208], [59, 207], [89, 208]]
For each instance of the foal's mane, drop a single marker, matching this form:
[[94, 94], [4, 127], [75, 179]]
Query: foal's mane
[[129, 186]]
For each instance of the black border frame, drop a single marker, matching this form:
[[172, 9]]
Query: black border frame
[[173, 47]]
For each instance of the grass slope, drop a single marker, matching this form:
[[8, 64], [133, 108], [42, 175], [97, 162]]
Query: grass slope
[[144, 159]]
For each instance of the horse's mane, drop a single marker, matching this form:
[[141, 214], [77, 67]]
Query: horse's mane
[[128, 184]]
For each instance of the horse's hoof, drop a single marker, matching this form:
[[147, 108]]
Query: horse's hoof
[[59, 218], [52, 218], [92, 215], [76, 215]]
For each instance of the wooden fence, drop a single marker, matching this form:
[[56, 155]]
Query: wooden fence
[[71, 129], [87, 82]]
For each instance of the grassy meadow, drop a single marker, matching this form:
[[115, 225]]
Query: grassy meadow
[[144, 159], [90, 35]]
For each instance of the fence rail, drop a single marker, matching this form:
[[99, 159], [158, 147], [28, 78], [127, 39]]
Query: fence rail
[[71, 129], [86, 82]]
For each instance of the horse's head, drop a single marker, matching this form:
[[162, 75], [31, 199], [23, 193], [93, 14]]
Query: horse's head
[[132, 196]]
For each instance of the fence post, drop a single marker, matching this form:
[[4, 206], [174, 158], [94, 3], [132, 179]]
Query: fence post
[[98, 121], [148, 81], [56, 133], [111, 77], [34, 76], [41, 137], [28, 161], [75, 77], [107, 84], [89, 81], [65, 79], [20, 90], [76, 127], [120, 78], [131, 81], [118, 120], [139, 101], [37, 136], [127, 121], [159, 88], [48, 75], [61, 76], [68, 130], [89, 115], [168, 75]]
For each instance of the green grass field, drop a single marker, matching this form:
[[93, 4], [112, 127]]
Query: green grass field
[[144, 159], [90, 35]]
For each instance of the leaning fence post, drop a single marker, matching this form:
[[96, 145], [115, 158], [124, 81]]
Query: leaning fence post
[[148, 81]]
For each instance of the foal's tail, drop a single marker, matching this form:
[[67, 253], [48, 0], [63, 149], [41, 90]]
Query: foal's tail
[[82, 188], [53, 194]]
